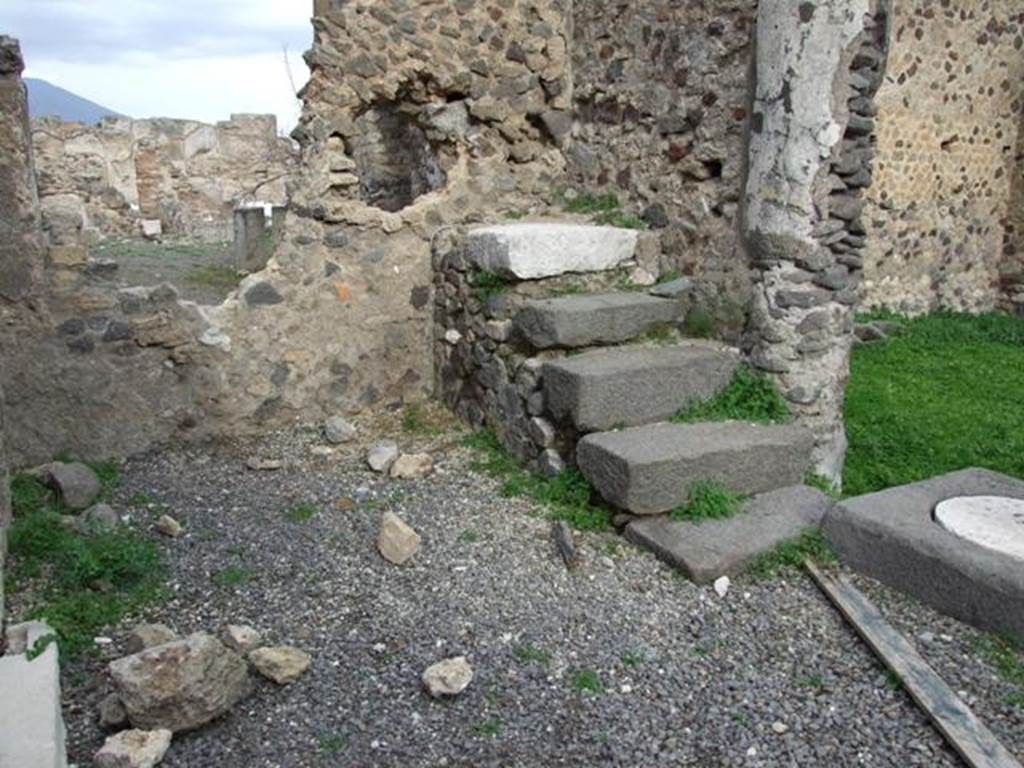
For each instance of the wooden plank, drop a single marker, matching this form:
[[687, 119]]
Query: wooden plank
[[975, 743]]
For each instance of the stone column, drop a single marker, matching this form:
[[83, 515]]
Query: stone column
[[22, 247], [251, 251], [818, 65]]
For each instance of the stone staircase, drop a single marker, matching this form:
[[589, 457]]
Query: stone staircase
[[600, 392]]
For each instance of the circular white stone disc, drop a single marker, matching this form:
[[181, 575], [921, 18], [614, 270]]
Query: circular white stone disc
[[994, 522]]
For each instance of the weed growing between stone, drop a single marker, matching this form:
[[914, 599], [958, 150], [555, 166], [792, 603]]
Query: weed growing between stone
[[1007, 656], [708, 501], [822, 483], [80, 584], [417, 421], [586, 681], [605, 210], [487, 284], [946, 394], [567, 495], [748, 397], [301, 513], [810, 544]]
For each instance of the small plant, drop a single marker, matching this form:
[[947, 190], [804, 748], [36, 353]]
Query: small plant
[[791, 554], [490, 728], [141, 499], [487, 284], [332, 744], [232, 576], [217, 276], [528, 653], [748, 397], [301, 513], [699, 324], [586, 681], [620, 220], [1007, 656], [469, 536], [589, 203], [709, 500], [811, 681], [39, 646], [514, 215], [661, 335], [892, 681], [822, 483], [632, 659], [418, 421]]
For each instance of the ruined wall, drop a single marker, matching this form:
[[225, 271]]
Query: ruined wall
[[661, 93], [96, 181], [949, 115], [1011, 272]]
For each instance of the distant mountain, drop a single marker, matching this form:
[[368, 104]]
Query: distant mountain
[[46, 99]]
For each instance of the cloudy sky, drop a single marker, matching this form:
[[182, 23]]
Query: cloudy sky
[[198, 59]]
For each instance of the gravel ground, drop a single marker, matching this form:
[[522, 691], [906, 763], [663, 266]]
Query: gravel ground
[[768, 676]]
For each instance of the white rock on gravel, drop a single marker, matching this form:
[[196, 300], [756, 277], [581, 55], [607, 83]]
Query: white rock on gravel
[[337, 430], [180, 685], [77, 485], [382, 456], [412, 466], [449, 677], [282, 664], [241, 638], [722, 585], [134, 749], [396, 540], [168, 526], [146, 636], [780, 727]]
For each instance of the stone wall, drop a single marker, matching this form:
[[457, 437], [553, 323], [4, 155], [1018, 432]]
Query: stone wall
[[949, 115], [661, 94], [98, 181], [1011, 278]]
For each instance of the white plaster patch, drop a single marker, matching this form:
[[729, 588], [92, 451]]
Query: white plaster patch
[[993, 522]]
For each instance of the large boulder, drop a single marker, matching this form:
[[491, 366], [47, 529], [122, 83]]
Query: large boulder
[[77, 485], [180, 685]]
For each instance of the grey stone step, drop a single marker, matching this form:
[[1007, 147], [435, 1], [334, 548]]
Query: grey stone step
[[712, 548], [649, 470], [628, 386], [589, 320], [891, 536]]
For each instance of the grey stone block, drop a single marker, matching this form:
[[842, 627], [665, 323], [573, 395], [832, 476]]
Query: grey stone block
[[891, 536], [544, 249], [712, 548], [649, 470], [583, 321], [628, 386]]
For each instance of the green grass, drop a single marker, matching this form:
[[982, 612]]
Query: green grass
[[232, 576], [81, 584], [708, 501], [567, 495], [822, 483], [469, 536], [815, 682], [1007, 656], [631, 659], [332, 744], [748, 397], [605, 210], [416, 420], [528, 653], [217, 276], [301, 513], [490, 728], [700, 324], [487, 284], [586, 681], [791, 554], [946, 394]]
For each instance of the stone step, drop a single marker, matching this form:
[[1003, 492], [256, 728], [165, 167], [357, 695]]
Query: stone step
[[649, 470], [628, 386], [591, 320], [711, 548], [534, 250]]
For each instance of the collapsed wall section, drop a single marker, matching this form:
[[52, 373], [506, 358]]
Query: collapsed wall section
[[943, 212]]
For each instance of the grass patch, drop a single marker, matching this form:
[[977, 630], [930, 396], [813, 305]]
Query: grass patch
[[528, 653], [416, 421], [620, 220], [489, 728], [791, 554], [232, 576], [218, 276], [632, 659], [660, 335], [748, 397], [946, 394], [487, 284], [586, 681], [80, 584], [605, 210], [302, 513], [567, 495], [822, 483], [708, 501], [700, 324], [469, 536], [331, 744], [814, 682], [1007, 656]]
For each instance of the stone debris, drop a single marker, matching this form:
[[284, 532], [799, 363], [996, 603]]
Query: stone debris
[[780, 727], [134, 749], [168, 526], [382, 456], [241, 638], [448, 678], [673, 289], [337, 430], [77, 485], [100, 517], [281, 664], [396, 541], [722, 585], [411, 466], [112, 714], [180, 685], [264, 465], [149, 636]]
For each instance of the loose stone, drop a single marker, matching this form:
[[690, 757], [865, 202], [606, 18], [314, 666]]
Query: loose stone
[[397, 542], [281, 664], [134, 749], [448, 678], [382, 456], [168, 526]]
